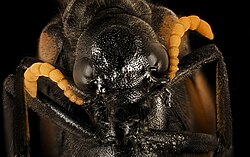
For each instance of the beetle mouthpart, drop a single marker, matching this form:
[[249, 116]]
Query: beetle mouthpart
[[32, 74]]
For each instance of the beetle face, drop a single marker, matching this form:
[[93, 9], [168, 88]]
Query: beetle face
[[115, 57], [115, 98]]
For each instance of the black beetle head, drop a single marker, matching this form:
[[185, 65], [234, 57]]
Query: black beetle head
[[116, 58]]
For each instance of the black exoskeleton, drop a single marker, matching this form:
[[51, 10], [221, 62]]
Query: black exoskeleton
[[116, 59]]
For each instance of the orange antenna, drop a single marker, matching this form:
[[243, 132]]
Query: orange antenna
[[38, 69], [185, 23]]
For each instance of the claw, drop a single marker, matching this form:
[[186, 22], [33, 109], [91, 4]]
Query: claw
[[185, 23], [38, 69]]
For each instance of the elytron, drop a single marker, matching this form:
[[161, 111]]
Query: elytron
[[118, 78]]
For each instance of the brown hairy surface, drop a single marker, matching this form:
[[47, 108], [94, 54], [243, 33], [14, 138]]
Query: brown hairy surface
[[47, 49], [202, 103]]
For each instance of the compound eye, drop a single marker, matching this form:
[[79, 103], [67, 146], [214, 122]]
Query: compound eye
[[83, 74], [158, 60]]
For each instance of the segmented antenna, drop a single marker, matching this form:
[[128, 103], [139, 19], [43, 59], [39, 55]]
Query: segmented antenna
[[38, 69], [183, 24]]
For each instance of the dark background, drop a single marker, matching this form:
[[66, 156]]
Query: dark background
[[22, 22]]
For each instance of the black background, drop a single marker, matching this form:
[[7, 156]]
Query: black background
[[22, 22]]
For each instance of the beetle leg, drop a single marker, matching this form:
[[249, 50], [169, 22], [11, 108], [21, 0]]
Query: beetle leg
[[159, 143], [194, 61], [15, 118]]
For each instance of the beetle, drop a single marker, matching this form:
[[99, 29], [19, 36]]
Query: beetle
[[119, 78]]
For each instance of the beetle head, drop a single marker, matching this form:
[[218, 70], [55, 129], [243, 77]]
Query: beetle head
[[116, 56]]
